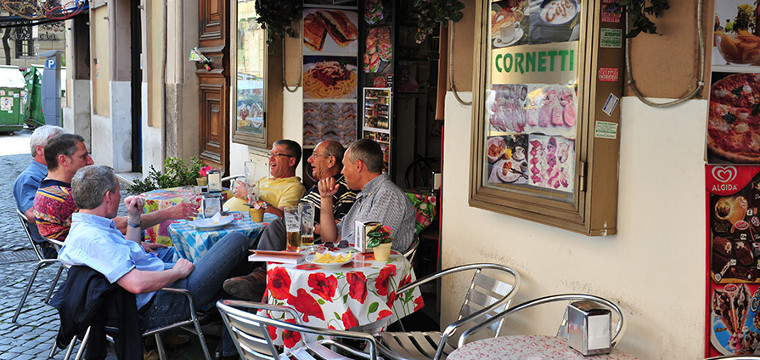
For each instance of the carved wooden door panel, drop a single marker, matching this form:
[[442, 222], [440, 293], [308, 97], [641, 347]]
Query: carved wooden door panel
[[214, 84]]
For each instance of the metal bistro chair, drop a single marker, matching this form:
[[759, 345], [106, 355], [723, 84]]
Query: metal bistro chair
[[41, 263], [250, 333], [196, 329], [615, 336], [735, 357], [412, 251], [486, 296]]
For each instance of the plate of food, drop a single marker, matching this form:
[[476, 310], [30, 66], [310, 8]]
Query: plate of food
[[329, 79], [215, 222], [330, 258]]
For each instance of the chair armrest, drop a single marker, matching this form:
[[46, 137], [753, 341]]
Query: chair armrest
[[262, 306], [186, 293]]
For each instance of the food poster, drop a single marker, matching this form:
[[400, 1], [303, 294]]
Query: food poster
[[733, 237], [250, 71], [329, 121], [733, 120], [531, 104], [330, 31]]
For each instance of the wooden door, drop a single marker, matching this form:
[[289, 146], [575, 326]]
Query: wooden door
[[214, 84]]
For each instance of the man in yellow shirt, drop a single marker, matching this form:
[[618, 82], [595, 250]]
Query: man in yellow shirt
[[282, 188]]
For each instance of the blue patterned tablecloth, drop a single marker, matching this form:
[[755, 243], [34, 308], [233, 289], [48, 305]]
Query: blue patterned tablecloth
[[191, 243]]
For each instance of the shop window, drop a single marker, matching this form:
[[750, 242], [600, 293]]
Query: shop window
[[545, 134], [25, 49], [249, 90]]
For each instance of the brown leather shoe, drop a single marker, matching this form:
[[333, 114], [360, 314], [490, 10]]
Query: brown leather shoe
[[248, 287]]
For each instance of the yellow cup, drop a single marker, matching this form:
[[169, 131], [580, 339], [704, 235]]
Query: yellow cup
[[257, 215]]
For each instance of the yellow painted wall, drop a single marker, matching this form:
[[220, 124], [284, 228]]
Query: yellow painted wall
[[101, 66], [154, 62]]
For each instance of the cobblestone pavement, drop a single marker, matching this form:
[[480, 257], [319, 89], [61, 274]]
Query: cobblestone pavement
[[33, 335]]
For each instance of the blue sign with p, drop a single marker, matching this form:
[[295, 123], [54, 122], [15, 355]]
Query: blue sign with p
[[50, 64]]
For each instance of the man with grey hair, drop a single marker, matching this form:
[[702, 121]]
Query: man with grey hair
[[28, 181], [94, 241], [54, 204], [380, 200]]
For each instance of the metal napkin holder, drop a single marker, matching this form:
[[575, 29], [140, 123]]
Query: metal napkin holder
[[588, 328]]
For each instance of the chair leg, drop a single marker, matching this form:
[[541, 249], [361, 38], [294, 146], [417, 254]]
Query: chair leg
[[69, 349], [26, 291], [52, 285], [160, 346], [80, 352], [201, 338]]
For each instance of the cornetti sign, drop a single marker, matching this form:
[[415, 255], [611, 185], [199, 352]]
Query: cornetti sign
[[553, 63]]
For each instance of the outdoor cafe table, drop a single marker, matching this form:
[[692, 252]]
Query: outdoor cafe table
[[526, 347], [191, 243], [161, 199], [357, 293]]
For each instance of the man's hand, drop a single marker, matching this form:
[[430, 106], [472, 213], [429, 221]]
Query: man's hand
[[150, 247], [183, 267], [134, 206], [269, 208], [328, 187], [241, 190], [182, 211]]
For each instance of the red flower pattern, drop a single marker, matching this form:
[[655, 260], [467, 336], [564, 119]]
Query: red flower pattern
[[349, 320], [306, 305], [322, 285], [357, 286], [418, 303], [381, 284], [278, 283], [307, 267], [289, 338], [391, 298], [405, 281], [384, 314]]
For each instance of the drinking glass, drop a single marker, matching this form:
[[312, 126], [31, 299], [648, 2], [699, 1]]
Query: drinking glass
[[250, 181], [293, 228], [306, 211]]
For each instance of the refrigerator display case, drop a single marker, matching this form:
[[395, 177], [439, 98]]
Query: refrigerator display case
[[377, 119]]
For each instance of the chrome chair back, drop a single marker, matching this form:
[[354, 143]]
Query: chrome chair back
[[488, 295], [615, 336], [41, 263], [249, 331]]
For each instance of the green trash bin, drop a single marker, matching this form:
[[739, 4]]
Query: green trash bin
[[12, 94], [33, 109]]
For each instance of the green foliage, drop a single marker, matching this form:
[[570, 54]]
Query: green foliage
[[432, 14], [640, 12], [176, 173], [379, 234], [277, 18]]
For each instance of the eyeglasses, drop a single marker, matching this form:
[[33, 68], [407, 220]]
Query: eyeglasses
[[315, 154], [271, 154]]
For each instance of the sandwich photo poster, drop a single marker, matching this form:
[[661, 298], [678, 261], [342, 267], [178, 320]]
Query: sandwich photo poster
[[733, 239], [733, 120], [330, 31]]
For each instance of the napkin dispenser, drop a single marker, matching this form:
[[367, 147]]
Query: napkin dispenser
[[361, 228], [588, 328], [214, 181], [211, 204]]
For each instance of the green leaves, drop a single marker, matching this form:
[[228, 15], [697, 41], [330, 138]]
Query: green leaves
[[432, 14], [277, 18], [640, 14], [176, 173]]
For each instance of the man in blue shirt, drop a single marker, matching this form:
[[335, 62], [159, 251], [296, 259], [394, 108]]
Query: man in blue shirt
[[95, 241], [26, 184]]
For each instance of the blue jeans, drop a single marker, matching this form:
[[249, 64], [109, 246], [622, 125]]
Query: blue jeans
[[204, 283]]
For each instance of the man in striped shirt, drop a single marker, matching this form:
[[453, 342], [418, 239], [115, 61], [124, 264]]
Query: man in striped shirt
[[326, 162]]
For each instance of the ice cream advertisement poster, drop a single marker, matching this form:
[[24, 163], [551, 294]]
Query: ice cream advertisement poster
[[733, 235]]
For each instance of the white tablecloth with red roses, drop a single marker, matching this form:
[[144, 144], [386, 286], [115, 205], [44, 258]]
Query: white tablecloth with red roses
[[527, 347], [359, 293]]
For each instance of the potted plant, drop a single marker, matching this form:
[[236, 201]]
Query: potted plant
[[639, 11], [201, 179], [432, 14], [380, 241], [277, 18], [176, 172]]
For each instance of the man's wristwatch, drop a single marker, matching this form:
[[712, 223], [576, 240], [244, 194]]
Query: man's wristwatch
[[130, 223]]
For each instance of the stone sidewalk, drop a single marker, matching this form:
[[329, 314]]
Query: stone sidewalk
[[33, 335]]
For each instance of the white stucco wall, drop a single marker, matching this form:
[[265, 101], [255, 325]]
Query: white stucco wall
[[112, 136], [76, 117], [654, 267]]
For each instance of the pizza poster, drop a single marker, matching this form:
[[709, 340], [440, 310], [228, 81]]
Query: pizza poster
[[733, 120], [733, 248]]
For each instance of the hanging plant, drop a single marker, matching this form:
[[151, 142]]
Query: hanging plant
[[640, 14], [277, 18], [432, 14]]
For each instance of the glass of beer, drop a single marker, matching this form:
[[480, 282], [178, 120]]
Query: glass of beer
[[306, 211], [293, 228]]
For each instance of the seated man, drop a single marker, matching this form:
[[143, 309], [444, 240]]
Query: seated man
[[95, 241], [380, 199], [26, 184], [326, 162], [282, 188], [53, 203]]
